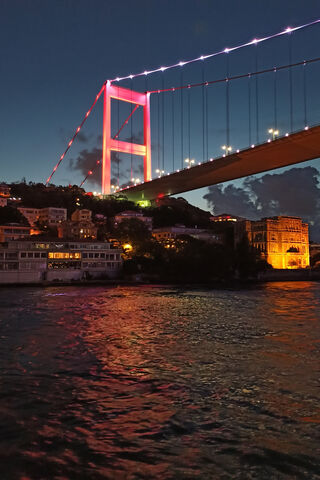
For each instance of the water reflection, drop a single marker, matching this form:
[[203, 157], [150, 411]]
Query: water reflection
[[153, 382]]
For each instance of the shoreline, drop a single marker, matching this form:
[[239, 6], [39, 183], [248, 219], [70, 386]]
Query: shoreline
[[238, 283]]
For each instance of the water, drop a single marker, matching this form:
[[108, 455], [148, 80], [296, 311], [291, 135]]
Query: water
[[160, 383]]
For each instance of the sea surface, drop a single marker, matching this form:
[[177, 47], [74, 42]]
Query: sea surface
[[154, 382]]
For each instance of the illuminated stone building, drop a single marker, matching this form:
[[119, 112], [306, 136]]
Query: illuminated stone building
[[282, 241]]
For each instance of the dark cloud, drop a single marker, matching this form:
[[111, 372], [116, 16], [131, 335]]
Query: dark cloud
[[294, 192], [87, 161], [230, 199]]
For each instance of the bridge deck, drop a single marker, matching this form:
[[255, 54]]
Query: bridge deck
[[297, 147]]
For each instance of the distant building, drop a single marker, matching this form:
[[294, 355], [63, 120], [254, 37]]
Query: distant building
[[129, 214], [26, 261], [31, 214], [226, 217], [49, 216], [314, 249], [282, 241], [165, 234], [13, 231], [5, 190], [52, 216], [79, 227], [81, 215]]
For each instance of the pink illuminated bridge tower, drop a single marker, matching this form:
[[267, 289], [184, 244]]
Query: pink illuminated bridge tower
[[112, 144]]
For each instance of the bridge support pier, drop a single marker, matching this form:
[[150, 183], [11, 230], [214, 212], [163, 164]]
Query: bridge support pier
[[112, 144]]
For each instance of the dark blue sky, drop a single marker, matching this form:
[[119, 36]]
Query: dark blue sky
[[55, 54]]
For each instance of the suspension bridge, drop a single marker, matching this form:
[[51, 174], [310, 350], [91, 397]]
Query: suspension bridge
[[240, 111]]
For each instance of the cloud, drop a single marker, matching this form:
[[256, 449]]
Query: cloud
[[88, 158], [294, 192], [230, 199]]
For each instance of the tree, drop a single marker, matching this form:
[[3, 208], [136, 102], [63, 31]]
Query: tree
[[12, 215], [248, 262]]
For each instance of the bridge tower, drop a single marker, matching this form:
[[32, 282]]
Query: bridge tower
[[113, 144]]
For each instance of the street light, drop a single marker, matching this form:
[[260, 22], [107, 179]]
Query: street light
[[160, 172], [135, 180], [189, 161], [273, 132], [226, 148]]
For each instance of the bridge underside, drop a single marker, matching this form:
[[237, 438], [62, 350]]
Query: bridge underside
[[297, 147]]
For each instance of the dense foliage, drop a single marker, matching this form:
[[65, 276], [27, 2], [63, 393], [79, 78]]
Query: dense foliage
[[11, 215]]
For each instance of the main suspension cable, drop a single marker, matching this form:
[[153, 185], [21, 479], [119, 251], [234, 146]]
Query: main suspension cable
[[235, 77], [75, 134]]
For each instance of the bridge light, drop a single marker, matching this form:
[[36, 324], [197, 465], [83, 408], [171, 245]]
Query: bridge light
[[252, 146], [189, 161], [306, 127], [273, 132], [227, 148]]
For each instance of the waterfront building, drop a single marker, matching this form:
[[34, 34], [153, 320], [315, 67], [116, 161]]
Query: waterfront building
[[79, 227], [13, 231], [283, 241], [129, 214], [27, 261]]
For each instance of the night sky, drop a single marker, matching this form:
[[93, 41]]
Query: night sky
[[56, 54]]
